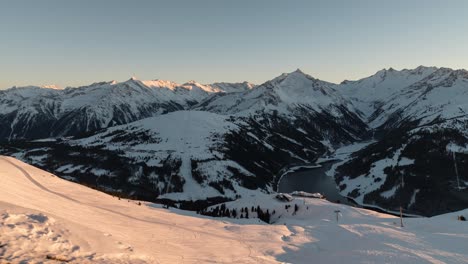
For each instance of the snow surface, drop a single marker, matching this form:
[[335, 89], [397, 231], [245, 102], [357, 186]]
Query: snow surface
[[281, 94], [452, 147], [366, 183], [103, 104], [421, 92], [112, 92], [343, 154], [182, 135], [378, 87], [440, 95], [413, 197], [44, 216]]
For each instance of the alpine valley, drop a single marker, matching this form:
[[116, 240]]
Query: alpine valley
[[193, 145]]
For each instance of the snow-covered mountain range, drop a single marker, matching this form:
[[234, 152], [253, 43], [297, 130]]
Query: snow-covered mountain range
[[38, 112], [420, 154], [195, 144]]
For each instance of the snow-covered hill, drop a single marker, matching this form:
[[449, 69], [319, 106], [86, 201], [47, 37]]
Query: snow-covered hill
[[45, 219], [188, 144]]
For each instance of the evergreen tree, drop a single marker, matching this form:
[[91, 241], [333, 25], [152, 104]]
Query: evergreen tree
[[266, 217]]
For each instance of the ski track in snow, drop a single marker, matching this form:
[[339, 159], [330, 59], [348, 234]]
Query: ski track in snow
[[64, 219], [36, 183]]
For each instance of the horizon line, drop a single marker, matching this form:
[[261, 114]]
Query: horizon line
[[133, 77]]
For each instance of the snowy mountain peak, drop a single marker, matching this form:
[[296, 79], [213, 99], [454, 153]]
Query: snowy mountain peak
[[462, 73], [131, 83], [190, 84], [298, 78], [282, 94], [384, 83], [193, 85], [233, 87], [445, 77], [299, 71], [157, 83], [418, 70], [422, 68], [392, 78], [249, 84], [52, 86], [32, 87], [300, 74], [295, 76], [383, 73]]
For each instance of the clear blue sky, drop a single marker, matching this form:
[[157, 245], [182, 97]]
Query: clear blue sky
[[73, 43]]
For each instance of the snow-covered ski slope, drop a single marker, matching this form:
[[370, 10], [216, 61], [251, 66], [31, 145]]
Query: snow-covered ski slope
[[43, 217]]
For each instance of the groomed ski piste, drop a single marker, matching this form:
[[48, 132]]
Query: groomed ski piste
[[45, 219]]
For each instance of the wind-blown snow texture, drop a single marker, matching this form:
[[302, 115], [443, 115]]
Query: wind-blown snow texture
[[157, 140], [44, 219]]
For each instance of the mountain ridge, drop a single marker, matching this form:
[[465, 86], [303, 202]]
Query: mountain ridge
[[293, 118]]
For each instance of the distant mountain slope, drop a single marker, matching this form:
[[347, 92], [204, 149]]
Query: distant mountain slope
[[412, 163], [214, 153], [36, 112], [368, 93], [439, 96], [282, 95], [195, 144], [188, 156]]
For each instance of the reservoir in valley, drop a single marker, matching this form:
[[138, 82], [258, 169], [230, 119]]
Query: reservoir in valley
[[313, 180]]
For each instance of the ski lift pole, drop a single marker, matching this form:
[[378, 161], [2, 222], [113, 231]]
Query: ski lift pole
[[402, 185], [337, 212], [401, 216], [456, 168]]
